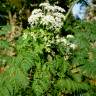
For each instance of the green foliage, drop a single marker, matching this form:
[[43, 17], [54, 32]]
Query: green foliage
[[87, 48], [4, 29], [55, 75], [43, 63]]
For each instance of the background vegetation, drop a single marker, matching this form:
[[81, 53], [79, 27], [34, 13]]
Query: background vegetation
[[35, 61]]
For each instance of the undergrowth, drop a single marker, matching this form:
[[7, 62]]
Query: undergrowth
[[45, 63]]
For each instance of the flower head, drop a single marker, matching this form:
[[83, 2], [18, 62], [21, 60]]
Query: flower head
[[58, 9], [36, 11], [47, 19], [44, 4], [73, 46], [70, 36], [50, 17]]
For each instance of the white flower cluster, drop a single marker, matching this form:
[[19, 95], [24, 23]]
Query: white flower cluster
[[33, 20], [49, 17], [66, 41], [54, 8]]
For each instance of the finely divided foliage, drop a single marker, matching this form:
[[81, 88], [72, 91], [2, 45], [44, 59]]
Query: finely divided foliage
[[45, 62]]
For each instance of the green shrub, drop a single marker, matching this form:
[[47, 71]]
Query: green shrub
[[45, 63]]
